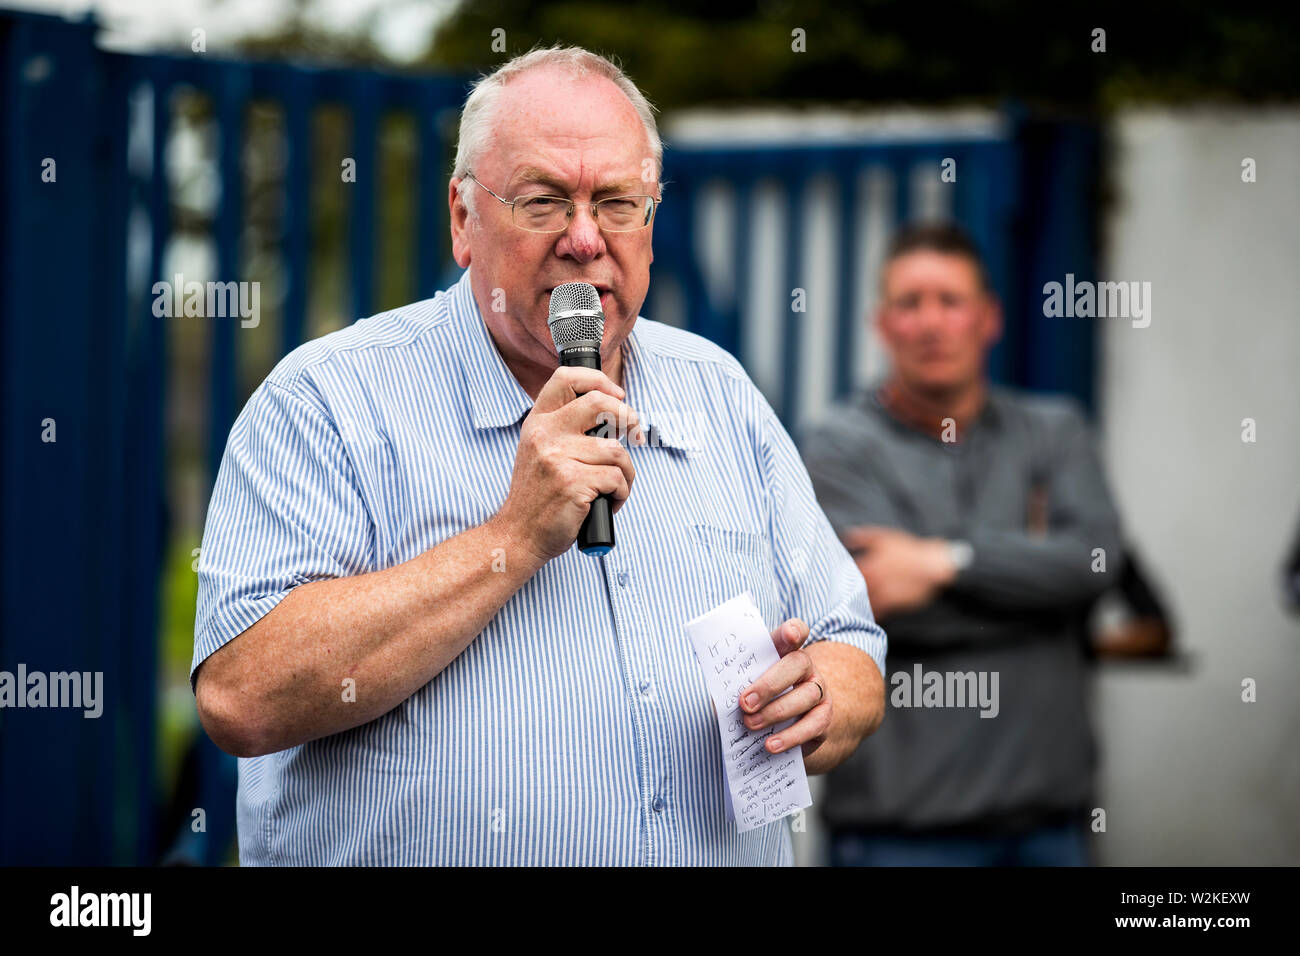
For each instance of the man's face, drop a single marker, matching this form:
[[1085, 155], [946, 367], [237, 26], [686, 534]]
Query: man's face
[[936, 320], [555, 135]]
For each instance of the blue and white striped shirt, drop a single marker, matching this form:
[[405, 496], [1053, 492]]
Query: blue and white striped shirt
[[576, 728]]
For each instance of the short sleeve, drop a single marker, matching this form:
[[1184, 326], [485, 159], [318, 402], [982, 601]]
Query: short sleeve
[[820, 583], [285, 510]]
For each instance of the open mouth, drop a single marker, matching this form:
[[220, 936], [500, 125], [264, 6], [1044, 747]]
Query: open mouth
[[605, 292]]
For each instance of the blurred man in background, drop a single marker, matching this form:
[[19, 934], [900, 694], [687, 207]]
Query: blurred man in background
[[982, 523]]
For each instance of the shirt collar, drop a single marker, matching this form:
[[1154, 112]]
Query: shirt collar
[[497, 399], [909, 414]]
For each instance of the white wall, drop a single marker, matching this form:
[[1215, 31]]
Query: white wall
[[1191, 773]]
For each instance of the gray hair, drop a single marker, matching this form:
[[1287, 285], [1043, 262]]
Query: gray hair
[[477, 117]]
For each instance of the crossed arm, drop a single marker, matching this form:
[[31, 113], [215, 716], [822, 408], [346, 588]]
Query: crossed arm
[[1017, 573]]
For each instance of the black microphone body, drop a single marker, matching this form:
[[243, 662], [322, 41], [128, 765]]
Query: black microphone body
[[596, 536], [577, 325]]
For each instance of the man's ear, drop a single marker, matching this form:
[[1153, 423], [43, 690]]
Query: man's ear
[[992, 320], [459, 218], [878, 321]]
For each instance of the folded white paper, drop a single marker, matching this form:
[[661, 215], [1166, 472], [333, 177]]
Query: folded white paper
[[734, 649]]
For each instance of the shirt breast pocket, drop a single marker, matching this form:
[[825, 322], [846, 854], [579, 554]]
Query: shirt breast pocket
[[731, 562]]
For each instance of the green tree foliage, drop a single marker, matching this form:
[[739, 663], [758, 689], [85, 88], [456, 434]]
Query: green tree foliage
[[881, 51]]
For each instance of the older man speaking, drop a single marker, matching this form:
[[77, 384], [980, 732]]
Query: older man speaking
[[395, 632]]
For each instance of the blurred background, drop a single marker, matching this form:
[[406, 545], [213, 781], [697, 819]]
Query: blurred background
[[208, 138]]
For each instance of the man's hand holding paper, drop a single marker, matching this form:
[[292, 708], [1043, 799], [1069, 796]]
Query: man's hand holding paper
[[767, 703]]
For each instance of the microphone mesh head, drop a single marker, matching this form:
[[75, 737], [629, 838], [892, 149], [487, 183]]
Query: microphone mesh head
[[575, 314]]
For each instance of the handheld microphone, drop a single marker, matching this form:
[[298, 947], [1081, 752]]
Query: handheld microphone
[[577, 325]]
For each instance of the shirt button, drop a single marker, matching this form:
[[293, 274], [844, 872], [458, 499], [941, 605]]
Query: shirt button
[[658, 805], [622, 579], [645, 686]]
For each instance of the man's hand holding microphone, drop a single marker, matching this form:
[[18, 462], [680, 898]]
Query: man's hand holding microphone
[[560, 469]]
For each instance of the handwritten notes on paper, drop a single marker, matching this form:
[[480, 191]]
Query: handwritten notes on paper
[[734, 648]]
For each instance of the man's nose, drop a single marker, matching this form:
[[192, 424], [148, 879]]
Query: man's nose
[[930, 315], [583, 240]]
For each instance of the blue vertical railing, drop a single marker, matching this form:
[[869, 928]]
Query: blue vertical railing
[[67, 533], [365, 95], [297, 126]]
